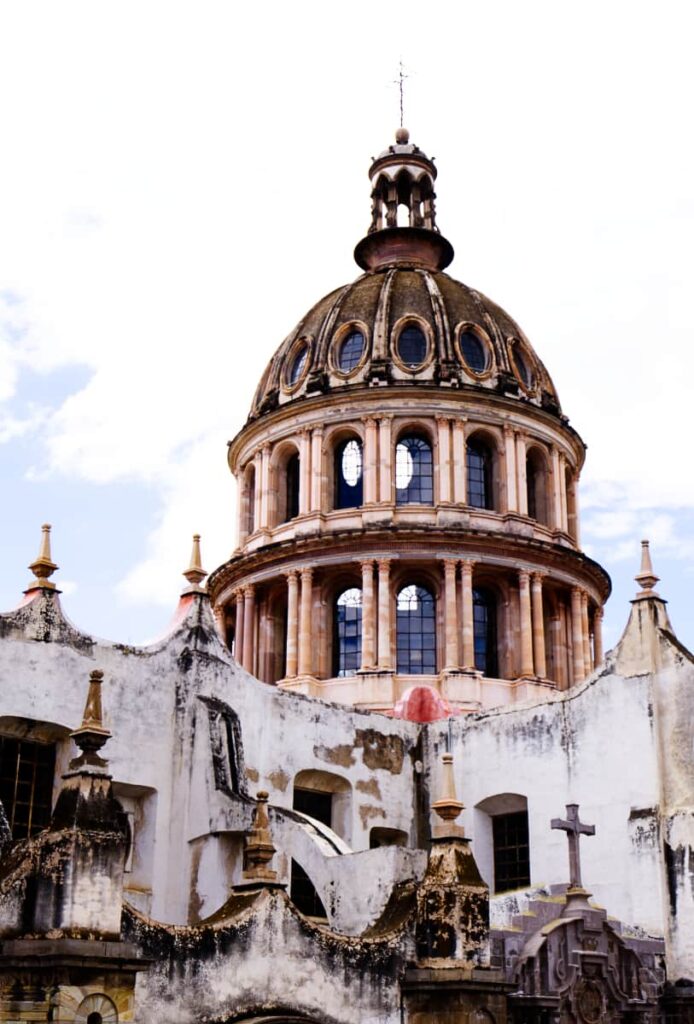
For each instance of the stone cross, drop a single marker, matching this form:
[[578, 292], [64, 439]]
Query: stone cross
[[574, 829]]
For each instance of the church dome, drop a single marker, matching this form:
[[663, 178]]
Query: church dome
[[404, 325]]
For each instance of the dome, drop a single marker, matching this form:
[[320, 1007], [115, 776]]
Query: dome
[[406, 326]]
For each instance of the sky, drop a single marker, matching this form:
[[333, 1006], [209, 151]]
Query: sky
[[180, 182]]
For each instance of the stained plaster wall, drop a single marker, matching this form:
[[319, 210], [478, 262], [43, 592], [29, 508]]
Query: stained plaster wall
[[160, 756]]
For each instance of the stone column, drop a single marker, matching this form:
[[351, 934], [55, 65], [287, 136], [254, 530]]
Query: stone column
[[264, 521], [238, 628], [304, 471], [557, 653], [556, 489], [451, 616], [521, 477], [577, 634], [459, 463], [258, 488], [370, 461], [576, 518], [384, 660], [367, 616], [248, 627], [562, 493], [597, 636], [468, 629], [385, 459], [538, 626], [526, 629], [444, 437], [587, 659], [305, 619], [292, 623], [511, 475], [316, 469]]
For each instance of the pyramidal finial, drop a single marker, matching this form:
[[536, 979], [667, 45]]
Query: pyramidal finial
[[259, 849], [195, 573], [448, 807], [91, 735], [646, 578], [43, 566]]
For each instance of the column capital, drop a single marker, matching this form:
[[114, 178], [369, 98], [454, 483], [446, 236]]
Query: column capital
[[523, 577], [307, 572], [441, 418], [450, 565], [367, 563], [599, 612], [384, 564], [317, 430], [292, 574], [577, 592], [248, 591], [467, 564], [385, 417], [508, 429], [304, 432], [538, 578], [370, 421]]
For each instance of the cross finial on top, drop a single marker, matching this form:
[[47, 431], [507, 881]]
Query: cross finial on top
[[400, 82], [574, 829]]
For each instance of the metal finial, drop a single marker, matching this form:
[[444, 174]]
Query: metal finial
[[400, 82], [43, 566], [91, 735], [195, 573], [646, 578], [448, 807]]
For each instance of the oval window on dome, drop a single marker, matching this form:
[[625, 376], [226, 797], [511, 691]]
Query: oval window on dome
[[473, 351], [521, 366], [412, 346], [297, 365], [351, 351]]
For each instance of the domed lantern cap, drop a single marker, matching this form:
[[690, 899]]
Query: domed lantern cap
[[403, 176]]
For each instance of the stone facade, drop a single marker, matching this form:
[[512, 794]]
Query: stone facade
[[266, 818]]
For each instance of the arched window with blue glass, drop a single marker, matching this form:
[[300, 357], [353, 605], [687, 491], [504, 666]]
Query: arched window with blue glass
[[347, 632], [485, 631], [480, 473], [349, 474], [414, 471], [416, 631]]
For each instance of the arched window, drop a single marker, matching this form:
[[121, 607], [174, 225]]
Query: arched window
[[249, 501], [292, 475], [480, 479], [484, 624], [414, 472], [349, 474], [347, 646], [536, 481], [416, 631]]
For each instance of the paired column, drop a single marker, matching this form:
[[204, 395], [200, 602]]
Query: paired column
[[526, 631], [264, 483], [556, 490], [305, 657], [304, 471], [444, 436], [521, 477], [238, 628], [468, 630], [385, 459], [248, 627], [370, 461], [587, 659], [538, 626], [597, 636], [577, 634], [450, 615], [459, 463], [316, 469], [292, 623], [384, 613], [511, 475], [562, 492], [367, 616]]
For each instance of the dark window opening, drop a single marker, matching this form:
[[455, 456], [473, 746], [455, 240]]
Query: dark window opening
[[474, 351], [416, 631], [522, 368], [414, 472], [380, 836], [511, 851], [95, 1018], [484, 626], [349, 475], [26, 784], [347, 633], [297, 367], [480, 493], [315, 803], [292, 484], [303, 893], [351, 351], [412, 346], [531, 480]]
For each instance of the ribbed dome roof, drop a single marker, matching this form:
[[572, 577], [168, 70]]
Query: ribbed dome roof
[[470, 342]]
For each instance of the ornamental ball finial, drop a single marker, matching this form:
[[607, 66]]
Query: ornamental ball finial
[[402, 136]]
